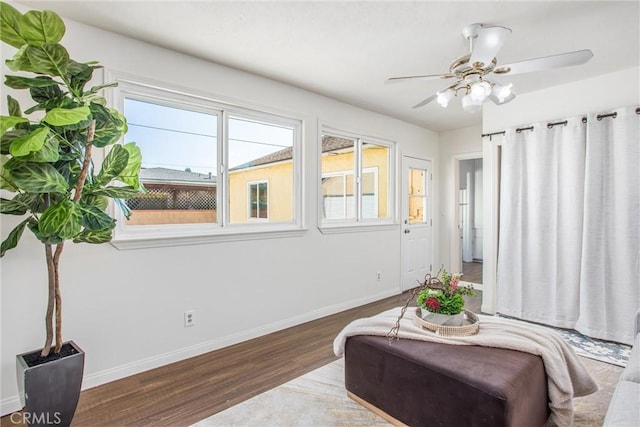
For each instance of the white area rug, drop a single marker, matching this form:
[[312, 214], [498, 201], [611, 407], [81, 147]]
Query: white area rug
[[319, 399]]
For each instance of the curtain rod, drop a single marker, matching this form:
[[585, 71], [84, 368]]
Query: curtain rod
[[552, 124], [504, 132]]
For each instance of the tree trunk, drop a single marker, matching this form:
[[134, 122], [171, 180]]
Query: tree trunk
[[58, 297], [48, 321]]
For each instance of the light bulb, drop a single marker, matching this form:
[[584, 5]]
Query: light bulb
[[445, 97], [480, 91], [502, 92]]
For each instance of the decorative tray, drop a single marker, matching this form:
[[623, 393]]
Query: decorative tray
[[470, 325]]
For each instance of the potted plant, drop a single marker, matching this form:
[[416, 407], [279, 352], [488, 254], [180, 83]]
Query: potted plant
[[442, 299], [46, 168]]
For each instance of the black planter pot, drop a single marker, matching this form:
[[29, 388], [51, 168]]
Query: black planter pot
[[50, 390]]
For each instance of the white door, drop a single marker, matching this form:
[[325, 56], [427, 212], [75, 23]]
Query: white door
[[417, 182]]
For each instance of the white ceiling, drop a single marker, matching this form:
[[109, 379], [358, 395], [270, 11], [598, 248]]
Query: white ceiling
[[347, 49]]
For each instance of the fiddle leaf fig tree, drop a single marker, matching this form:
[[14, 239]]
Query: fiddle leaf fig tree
[[45, 163]]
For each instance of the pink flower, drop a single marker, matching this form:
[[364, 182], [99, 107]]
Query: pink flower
[[454, 283]]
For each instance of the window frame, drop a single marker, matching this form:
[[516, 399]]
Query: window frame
[[142, 236], [359, 223]]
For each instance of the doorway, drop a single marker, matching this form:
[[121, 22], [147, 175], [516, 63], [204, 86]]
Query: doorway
[[468, 253], [417, 223]]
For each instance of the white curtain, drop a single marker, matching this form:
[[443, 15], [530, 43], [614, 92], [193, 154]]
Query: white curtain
[[540, 234], [569, 236], [610, 272]]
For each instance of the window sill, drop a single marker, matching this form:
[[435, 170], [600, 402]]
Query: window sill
[[158, 241], [356, 228]]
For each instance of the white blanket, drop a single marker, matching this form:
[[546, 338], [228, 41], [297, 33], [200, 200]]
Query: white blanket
[[566, 375]]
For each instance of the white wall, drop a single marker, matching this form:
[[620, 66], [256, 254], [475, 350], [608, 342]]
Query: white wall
[[596, 95], [455, 145], [125, 308]]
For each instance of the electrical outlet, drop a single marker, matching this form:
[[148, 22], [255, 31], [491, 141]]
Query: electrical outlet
[[189, 318], [378, 276]]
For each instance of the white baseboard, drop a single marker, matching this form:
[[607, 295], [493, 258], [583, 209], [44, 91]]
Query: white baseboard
[[12, 404]]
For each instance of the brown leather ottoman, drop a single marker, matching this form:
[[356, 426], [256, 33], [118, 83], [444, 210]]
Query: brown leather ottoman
[[430, 384]]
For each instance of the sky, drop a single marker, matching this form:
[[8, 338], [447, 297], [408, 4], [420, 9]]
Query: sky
[[177, 138]]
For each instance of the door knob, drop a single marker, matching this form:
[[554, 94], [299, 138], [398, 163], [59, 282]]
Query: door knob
[[406, 230]]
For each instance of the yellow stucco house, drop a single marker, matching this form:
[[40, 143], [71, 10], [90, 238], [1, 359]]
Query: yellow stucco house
[[262, 189]]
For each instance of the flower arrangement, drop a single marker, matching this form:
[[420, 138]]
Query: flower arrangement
[[443, 295]]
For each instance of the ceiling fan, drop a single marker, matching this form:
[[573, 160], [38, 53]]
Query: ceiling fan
[[473, 72]]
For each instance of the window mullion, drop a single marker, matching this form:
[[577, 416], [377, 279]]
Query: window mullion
[[223, 154], [358, 179]]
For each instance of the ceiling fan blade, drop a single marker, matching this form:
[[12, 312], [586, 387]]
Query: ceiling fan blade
[[426, 101], [487, 44], [568, 59], [422, 77]]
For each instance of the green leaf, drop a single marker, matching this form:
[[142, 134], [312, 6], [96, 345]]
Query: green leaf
[[110, 125], [39, 178], [12, 207], [51, 59], [20, 60], [130, 174], [41, 27], [7, 139], [13, 106], [10, 27], [101, 202], [8, 122], [112, 165], [96, 89], [49, 152], [78, 76], [6, 181], [47, 240], [66, 117], [23, 203], [102, 236], [20, 82], [42, 94], [94, 219], [63, 219], [117, 192], [13, 238], [29, 143]]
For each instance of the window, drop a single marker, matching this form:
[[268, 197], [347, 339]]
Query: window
[[259, 200], [356, 182], [210, 169], [179, 151], [260, 152]]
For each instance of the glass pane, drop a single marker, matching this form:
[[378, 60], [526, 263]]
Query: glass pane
[[338, 164], [417, 196], [253, 196], [260, 151], [179, 163], [263, 198], [369, 195], [375, 181]]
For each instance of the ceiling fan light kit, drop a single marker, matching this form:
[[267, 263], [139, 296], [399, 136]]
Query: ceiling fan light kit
[[471, 70]]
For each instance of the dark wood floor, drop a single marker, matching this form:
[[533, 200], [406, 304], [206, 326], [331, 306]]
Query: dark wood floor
[[472, 272], [188, 391]]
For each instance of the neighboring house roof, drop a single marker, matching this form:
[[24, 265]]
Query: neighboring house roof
[[151, 175], [329, 143]]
